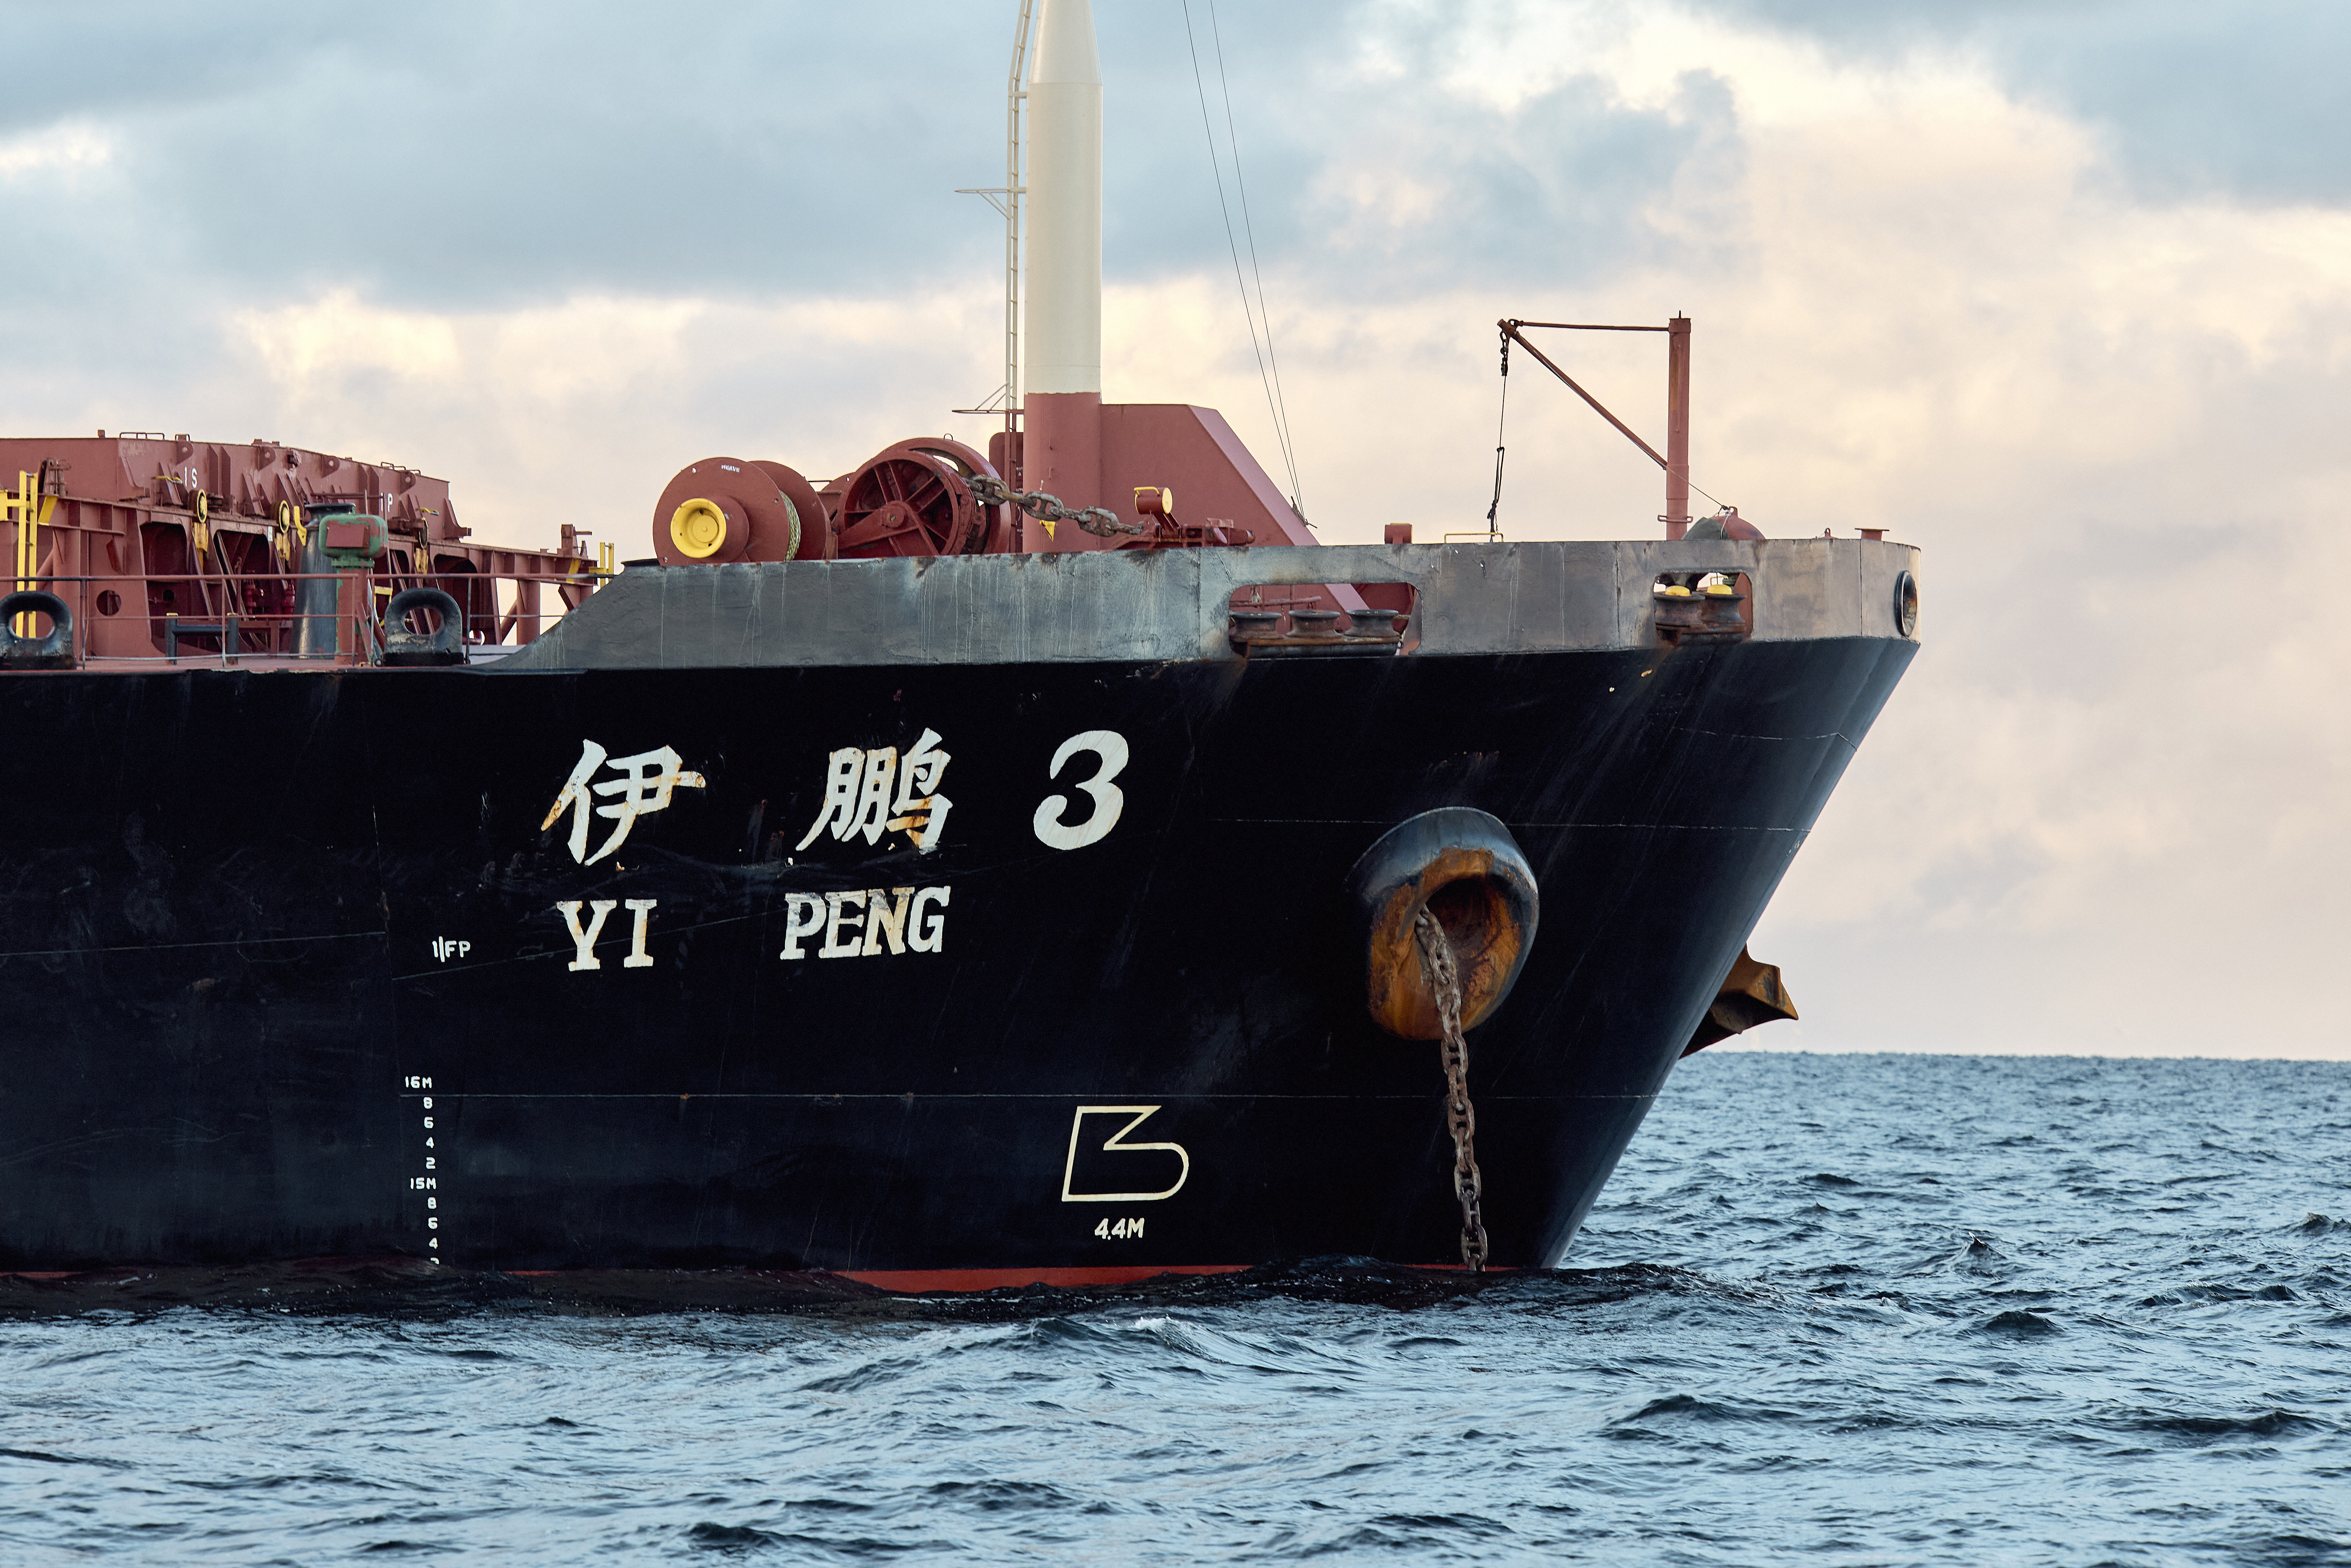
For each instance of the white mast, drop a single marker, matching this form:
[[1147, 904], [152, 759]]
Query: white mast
[[1064, 202]]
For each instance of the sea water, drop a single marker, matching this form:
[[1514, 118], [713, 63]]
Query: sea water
[[1831, 1310]]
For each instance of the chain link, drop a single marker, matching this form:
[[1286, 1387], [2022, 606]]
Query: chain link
[[1460, 1116], [1100, 521]]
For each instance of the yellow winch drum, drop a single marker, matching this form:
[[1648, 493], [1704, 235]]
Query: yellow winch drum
[[722, 510], [698, 528]]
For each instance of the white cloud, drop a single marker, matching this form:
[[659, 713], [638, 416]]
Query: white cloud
[[66, 149], [579, 410], [2103, 812]]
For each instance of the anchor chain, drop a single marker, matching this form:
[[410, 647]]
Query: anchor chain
[[1460, 1116], [1099, 521]]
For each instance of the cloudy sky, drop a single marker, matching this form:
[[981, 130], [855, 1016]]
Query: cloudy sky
[[2060, 292]]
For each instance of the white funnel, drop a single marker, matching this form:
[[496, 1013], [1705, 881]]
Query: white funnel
[[1065, 107]]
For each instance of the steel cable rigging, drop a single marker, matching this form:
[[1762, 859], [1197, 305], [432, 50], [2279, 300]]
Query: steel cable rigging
[[1268, 366]]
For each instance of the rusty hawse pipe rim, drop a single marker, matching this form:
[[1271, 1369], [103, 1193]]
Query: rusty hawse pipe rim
[[1463, 866]]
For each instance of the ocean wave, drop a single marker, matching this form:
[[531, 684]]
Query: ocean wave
[[2012, 1336]]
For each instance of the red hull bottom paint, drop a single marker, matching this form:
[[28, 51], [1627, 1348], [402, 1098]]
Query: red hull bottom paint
[[934, 1281], [919, 1281], [396, 1283], [931, 1282]]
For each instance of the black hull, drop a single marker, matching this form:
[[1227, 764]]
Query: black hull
[[232, 1023]]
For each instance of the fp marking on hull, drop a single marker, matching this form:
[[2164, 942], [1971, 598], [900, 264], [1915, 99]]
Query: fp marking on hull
[[448, 947], [1116, 1144]]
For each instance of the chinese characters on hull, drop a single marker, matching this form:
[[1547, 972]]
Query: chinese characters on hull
[[644, 786], [871, 792], [868, 791]]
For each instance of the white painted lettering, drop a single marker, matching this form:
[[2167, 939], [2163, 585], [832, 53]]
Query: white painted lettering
[[1109, 801], [924, 817], [839, 807], [585, 941], [796, 906], [575, 794], [885, 918], [928, 934], [834, 947], [645, 787], [428, 1102], [909, 919], [877, 791], [873, 794], [933, 822], [638, 957], [646, 782]]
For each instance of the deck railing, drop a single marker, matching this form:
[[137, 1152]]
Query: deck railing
[[243, 618]]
